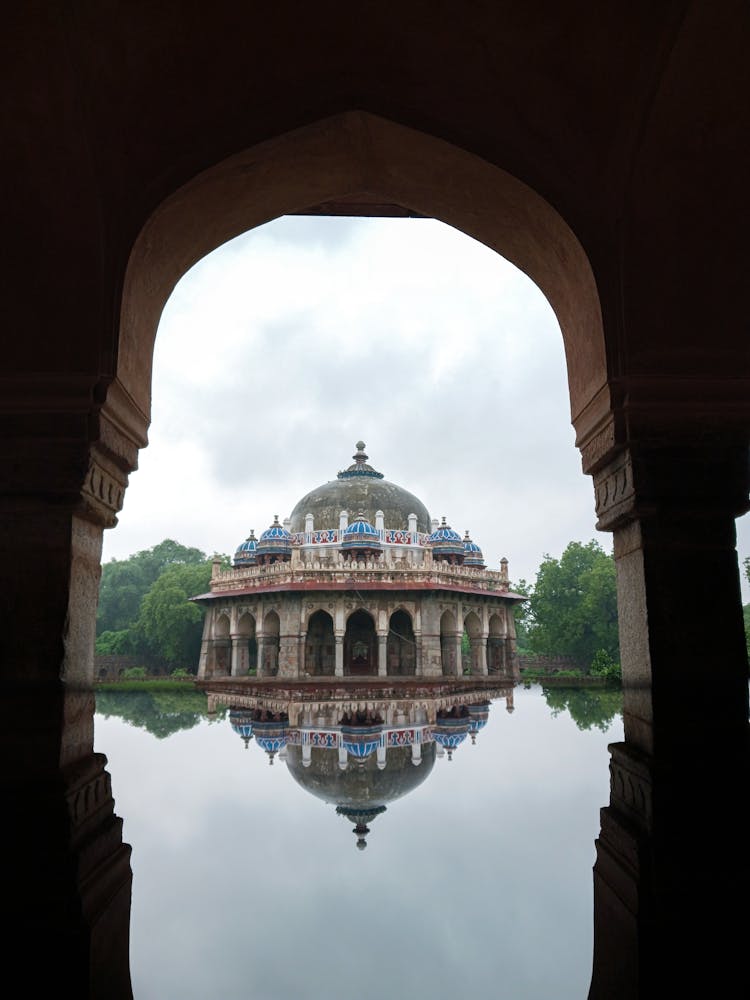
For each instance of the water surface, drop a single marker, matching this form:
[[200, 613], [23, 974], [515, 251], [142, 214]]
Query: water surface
[[476, 883]]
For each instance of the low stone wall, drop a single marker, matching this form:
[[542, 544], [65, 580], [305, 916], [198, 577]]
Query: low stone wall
[[111, 667], [549, 664]]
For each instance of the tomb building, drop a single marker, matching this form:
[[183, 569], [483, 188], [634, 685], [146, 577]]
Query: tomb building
[[359, 581]]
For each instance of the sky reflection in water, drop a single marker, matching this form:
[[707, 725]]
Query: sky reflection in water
[[477, 883]]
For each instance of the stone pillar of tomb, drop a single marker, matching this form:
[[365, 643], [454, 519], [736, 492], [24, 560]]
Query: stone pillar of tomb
[[240, 655], [479, 651], [260, 640], [457, 654], [382, 654], [339, 661]]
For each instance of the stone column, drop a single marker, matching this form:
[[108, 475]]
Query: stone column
[[339, 664], [458, 665], [481, 642], [260, 644], [418, 654], [672, 853], [382, 655], [239, 656]]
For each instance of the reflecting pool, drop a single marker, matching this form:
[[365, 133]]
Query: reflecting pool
[[478, 810]]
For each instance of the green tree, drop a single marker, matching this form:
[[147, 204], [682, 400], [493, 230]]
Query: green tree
[[171, 624], [125, 582], [574, 605], [522, 614]]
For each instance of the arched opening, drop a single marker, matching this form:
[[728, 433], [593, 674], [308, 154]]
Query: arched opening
[[473, 629], [401, 647], [268, 646], [245, 651], [360, 644], [450, 645], [320, 645], [496, 644], [220, 662]]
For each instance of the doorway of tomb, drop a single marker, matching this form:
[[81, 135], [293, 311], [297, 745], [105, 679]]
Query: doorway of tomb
[[320, 645], [401, 647], [473, 628], [360, 645], [269, 658], [221, 648], [247, 646], [496, 655], [450, 649]]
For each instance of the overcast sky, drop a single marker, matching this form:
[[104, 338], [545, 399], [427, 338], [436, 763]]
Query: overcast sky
[[281, 349]]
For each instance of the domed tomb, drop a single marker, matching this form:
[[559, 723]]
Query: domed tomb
[[360, 489]]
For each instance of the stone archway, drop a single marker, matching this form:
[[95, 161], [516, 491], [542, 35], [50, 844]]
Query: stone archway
[[401, 646], [221, 648], [244, 646], [268, 646], [320, 645], [360, 644], [450, 644]]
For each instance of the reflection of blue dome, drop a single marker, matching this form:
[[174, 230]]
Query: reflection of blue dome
[[360, 742], [472, 553], [271, 736], [360, 534], [275, 541], [450, 733], [446, 542], [242, 723], [478, 716], [245, 553]]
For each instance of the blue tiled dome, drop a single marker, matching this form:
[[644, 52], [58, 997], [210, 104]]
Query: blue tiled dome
[[242, 723], [360, 534], [275, 541], [472, 553], [245, 553], [446, 542]]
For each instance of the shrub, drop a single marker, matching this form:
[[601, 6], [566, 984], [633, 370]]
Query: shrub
[[134, 674], [604, 666]]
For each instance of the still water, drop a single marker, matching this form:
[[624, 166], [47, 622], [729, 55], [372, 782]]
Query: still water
[[475, 881]]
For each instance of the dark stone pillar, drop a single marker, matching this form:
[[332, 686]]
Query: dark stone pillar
[[672, 860], [67, 880]]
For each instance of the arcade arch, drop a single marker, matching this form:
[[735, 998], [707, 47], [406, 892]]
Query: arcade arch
[[268, 645], [320, 645], [401, 646], [360, 644]]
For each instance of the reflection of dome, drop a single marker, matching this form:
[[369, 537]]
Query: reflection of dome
[[446, 543], [361, 741], [360, 488], [472, 553], [241, 721], [364, 785], [270, 736], [478, 716], [450, 732], [274, 543], [245, 554], [360, 536], [360, 818]]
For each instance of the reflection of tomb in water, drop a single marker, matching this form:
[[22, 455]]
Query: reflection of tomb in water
[[361, 747]]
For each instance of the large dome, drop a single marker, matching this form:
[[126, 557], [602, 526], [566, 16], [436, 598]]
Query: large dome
[[360, 489]]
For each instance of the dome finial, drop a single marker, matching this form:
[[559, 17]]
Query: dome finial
[[360, 446]]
